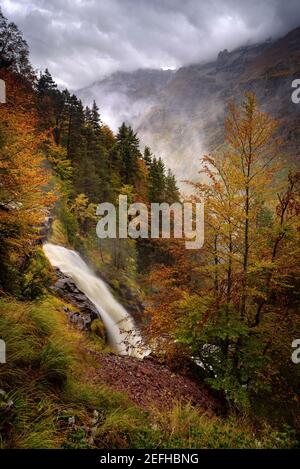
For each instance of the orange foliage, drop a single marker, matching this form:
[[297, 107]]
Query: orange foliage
[[24, 197]]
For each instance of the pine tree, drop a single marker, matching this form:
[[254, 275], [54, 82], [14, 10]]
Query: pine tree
[[51, 104], [127, 147], [95, 118], [147, 157], [171, 189], [46, 82], [157, 180]]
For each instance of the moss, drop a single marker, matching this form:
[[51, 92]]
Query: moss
[[98, 328], [37, 276]]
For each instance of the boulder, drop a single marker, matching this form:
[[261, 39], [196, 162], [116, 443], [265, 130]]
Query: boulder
[[67, 290]]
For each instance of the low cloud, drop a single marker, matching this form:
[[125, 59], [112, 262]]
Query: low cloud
[[81, 41]]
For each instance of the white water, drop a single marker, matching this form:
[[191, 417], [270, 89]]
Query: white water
[[120, 328]]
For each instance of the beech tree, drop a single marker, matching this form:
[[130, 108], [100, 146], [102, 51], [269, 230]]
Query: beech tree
[[246, 284]]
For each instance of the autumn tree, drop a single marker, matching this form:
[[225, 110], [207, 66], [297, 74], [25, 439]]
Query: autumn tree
[[248, 268], [85, 213], [25, 196]]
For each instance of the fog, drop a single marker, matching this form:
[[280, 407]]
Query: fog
[[82, 41]]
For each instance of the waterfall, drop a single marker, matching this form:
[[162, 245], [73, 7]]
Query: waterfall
[[122, 333]]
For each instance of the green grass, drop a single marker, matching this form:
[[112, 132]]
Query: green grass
[[49, 378]]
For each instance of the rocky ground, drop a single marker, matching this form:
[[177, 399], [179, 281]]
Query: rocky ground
[[149, 383]]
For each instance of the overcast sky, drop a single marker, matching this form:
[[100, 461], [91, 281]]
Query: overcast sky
[[81, 41]]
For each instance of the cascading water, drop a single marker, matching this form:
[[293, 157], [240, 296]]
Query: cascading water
[[121, 331]]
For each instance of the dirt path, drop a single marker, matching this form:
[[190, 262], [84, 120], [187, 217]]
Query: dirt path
[[148, 383]]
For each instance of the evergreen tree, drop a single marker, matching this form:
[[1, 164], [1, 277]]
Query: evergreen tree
[[46, 82], [128, 154], [51, 104], [147, 157], [171, 190], [157, 180], [88, 115], [95, 118]]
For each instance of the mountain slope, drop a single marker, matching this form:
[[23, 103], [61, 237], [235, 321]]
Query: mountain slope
[[124, 96], [180, 114], [188, 117]]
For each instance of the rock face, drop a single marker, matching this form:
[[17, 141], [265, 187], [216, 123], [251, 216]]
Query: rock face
[[67, 289], [180, 114]]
